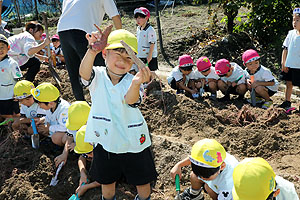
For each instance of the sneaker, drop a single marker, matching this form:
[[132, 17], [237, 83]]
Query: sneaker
[[180, 91], [213, 97], [257, 99], [267, 104], [286, 105], [186, 195]]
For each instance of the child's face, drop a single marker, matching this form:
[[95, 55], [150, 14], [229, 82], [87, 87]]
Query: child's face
[[28, 101], [45, 106], [252, 66], [117, 62], [3, 50], [141, 21], [186, 72], [296, 22], [205, 73], [56, 43]]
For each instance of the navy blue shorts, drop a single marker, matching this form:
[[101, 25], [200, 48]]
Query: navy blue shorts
[[9, 107], [292, 75]]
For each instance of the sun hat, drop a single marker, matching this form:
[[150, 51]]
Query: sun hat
[[207, 153], [56, 37], [3, 39], [250, 55], [185, 61], [142, 10], [78, 114], [116, 36], [253, 178], [81, 146], [22, 89], [203, 63], [45, 92], [222, 66]]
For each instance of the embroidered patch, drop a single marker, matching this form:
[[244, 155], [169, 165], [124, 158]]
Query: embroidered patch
[[33, 113], [206, 157], [142, 139], [205, 59], [219, 157]]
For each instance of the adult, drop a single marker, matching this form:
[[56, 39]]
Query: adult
[[23, 48], [77, 19]]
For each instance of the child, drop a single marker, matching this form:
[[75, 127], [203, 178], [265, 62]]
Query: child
[[58, 54], [146, 36], [212, 169], [182, 76], [29, 108], [265, 84], [54, 124], [254, 178], [291, 60], [206, 78], [115, 124], [232, 79], [9, 74]]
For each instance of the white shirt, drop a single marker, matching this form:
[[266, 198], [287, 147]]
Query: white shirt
[[83, 14], [19, 47], [223, 184], [212, 75], [292, 42], [9, 72], [145, 38], [236, 73], [264, 75], [58, 118], [33, 111], [118, 127], [287, 189], [178, 76]]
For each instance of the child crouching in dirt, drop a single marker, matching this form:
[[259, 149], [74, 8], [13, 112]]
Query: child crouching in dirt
[[264, 83], [206, 78], [29, 108], [232, 79], [115, 124], [254, 178], [182, 77], [212, 170]]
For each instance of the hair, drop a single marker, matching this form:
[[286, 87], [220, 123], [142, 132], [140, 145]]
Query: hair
[[4, 42], [34, 25], [270, 197], [54, 39], [46, 103], [136, 15], [204, 172], [188, 68]]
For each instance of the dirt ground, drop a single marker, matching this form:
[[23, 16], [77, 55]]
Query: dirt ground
[[175, 122]]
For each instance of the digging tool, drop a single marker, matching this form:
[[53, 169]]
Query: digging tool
[[252, 94], [50, 65], [238, 79], [201, 91], [132, 55], [75, 196], [6, 121], [177, 183], [35, 138], [54, 180]]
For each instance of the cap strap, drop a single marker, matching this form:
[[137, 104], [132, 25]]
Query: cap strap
[[252, 59]]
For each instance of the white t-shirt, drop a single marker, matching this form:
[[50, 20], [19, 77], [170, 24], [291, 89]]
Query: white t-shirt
[[33, 111], [145, 37], [223, 184], [292, 42], [118, 127], [19, 47], [236, 73], [178, 76], [212, 75], [264, 75], [83, 14], [287, 189], [9, 72], [58, 118]]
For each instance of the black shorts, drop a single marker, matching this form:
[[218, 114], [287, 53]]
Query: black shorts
[[153, 65], [173, 84], [292, 75], [9, 107], [137, 168], [270, 92]]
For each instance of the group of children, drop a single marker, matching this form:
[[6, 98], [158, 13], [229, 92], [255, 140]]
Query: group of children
[[114, 134]]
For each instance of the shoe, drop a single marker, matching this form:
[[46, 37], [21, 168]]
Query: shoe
[[225, 98], [186, 195], [257, 99], [180, 91], [267, 104], [213, 97], [286, 105]]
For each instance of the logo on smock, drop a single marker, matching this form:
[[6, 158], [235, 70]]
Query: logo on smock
[[142, 139]]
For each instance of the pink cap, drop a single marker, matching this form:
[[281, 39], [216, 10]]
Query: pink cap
[[55, 37], [250, 55], [143, 11], [203, 63], [43, 36], [185, 61], [222, 67]]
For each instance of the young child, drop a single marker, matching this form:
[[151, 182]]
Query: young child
[[232, 79], [254, 178], [182, 76], [59, 56], [206, 78], [115, 124], [29, 108], [212, 169], [9, 74], [54, 124], [146, 36], [290, 59], [265, 84]]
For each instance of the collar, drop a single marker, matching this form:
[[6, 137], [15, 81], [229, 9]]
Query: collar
[[121, 76], [255, 71], [5, 57], [146, 27]]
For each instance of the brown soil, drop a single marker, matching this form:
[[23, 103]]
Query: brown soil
[[176, 123]]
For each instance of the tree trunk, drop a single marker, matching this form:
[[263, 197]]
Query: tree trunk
[[16, 3], [36, 10]]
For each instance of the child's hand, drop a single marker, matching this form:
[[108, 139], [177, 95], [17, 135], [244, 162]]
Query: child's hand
[[47, 41], [233, 84], [98, 40], [43, 129], [176, 170], [83, 179], [71, 146], [39, 121], [254, 84], [285, 69], [248, 83], [81, 190], [142, 76], [60, 158]]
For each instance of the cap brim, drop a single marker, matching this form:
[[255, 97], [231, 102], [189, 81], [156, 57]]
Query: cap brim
[[76, 150], [119, 45]]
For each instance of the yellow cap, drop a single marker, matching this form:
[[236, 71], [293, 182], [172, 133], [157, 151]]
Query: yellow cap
[[45, 92], [208, 153], [81, 146], [78, 114], [116, 36], [253, 178], [22, 89]]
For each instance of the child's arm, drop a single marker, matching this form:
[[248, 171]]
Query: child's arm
[[83, 188], [82, 170], [86, 65], [177, 168], [64, 156], [262, 83], [149, 57], [182, 86], [283, 59], [117, 21]]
